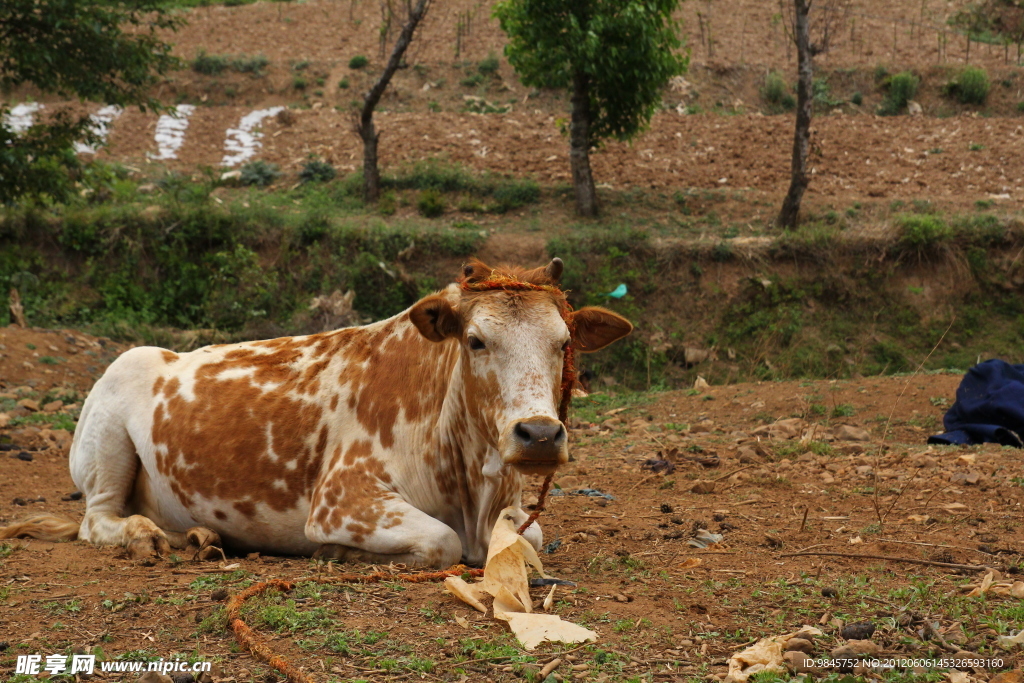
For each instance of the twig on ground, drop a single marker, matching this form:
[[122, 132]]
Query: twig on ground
[[907, 560]]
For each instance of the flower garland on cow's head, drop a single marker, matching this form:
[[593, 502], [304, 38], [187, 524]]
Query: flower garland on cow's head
[[498, 280]]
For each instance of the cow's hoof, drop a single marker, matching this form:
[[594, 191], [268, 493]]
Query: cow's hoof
[[332, 551], [201, 537], [148, 546]]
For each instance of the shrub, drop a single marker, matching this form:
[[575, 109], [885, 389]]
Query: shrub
[[775, 88], [343, 84], [920, 231], [358, 62], [317, 171], [857, 99], [259, 173], [488, 66], [472, 81], [901, 89], [514, 194], [1020, 107], [209, 65], [970, 87], [250, 64], [430, 203], [299, 83]]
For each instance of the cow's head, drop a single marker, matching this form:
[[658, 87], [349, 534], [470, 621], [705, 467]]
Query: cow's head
[[513, 326]]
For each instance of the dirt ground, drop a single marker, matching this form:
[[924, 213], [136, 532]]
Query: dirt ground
[[663, 609], [952, 154]]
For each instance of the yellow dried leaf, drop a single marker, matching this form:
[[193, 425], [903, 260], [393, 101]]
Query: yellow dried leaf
[[468, 593], [690, 563], [534, 629]]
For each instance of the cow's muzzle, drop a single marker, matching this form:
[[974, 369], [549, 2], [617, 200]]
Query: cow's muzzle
[[536, 445]]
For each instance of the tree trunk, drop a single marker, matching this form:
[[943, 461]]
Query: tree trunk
[[364, 126], [789, 216], [579, 147]]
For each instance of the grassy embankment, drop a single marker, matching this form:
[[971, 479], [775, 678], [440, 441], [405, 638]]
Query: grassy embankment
[[139, 259]]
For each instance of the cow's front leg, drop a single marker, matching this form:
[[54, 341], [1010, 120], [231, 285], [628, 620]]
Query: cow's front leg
[[384, 529]]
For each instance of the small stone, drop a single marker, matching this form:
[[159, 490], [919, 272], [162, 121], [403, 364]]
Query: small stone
[[219, 595], [619, 597], [862, 630], [154, 677], [829, 593], [19, 501], [29, 404], [4, 645], [851, 433], [1015, 676], [146, 188], [856, 648], [666, 508], [801, 645], [183, 677], [23, 455], [53, 406], [799, 663], [703, 487], [748, 456]]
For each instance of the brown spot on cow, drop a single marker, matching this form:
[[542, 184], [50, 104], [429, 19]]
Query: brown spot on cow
[[169, 356], [246, 508], [220, 514], [158, 385], [262, 420]]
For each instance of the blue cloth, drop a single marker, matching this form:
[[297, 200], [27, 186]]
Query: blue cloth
[[989, 407]]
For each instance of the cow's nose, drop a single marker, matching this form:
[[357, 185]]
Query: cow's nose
[[539, 433]]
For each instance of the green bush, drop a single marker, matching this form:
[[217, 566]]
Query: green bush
[[317, 171], [209, 65], [299, 83], [488, 66], [901, 88], [358, 62], [250, 64], [259, 173], [514, 194], [472, 81], [920, 231], [857, 99], [970, 87], [775, 88], [430, 203], [343, 84]]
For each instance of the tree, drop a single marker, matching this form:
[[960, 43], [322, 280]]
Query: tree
[[616, 55], [364, 125], [830, 15], [97, 50]]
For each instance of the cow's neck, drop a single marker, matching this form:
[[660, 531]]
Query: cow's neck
[[485, 486]]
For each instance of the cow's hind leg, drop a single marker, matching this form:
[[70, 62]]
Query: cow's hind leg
[[104, 465], [391, 530]]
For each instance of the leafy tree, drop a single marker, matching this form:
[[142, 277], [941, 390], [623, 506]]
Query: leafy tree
[[616, 55], [97, 50]]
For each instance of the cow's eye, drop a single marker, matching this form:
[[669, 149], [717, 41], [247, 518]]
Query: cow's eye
[[565, 346], [476, 344]]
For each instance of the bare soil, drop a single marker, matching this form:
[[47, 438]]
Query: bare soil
[[657, 618]]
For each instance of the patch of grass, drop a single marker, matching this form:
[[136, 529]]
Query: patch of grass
[[358, 62], [777, 93], [900, 89], [317, 171], [971, 86], [489, 66], [472, 80], [843, 410], [430, 203], [919, 231], [259, 173]]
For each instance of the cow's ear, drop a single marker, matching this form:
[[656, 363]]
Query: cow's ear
[[436, 319], [596, 328]]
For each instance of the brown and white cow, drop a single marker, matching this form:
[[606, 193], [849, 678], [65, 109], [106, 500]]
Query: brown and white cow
[[399, 441]]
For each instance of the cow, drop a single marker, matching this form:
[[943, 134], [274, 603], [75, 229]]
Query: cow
[[398, 441]]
